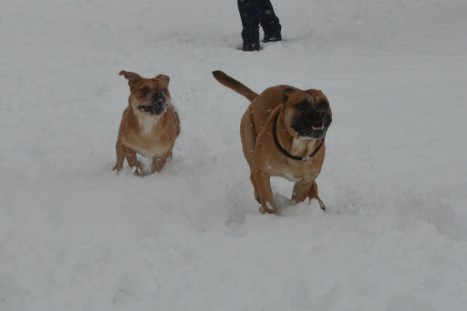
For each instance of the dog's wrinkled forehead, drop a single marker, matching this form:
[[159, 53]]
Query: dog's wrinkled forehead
[[161, 81], [147, 86], [136, 82], [314, 99]]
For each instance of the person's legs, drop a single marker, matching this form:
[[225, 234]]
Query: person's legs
[[269, 22], [250, 16]]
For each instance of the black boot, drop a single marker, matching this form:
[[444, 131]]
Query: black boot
[[250, 47], [272, 37], [269, 22], [251, 39], [250, 15]]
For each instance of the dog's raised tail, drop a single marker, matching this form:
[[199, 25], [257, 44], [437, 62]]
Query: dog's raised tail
[[233, 84]]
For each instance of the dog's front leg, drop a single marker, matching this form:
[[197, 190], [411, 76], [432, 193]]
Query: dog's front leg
[[133, 162], [120, 156], [313, 194], [263, 187], [158, 162], [302, 190]]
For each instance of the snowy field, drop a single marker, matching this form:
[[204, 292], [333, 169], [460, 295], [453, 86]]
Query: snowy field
[[74, 236]]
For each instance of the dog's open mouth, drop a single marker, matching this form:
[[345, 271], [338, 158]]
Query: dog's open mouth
[[154, 109], [311, 131], [312, 125], [318, 127], [317, 131]]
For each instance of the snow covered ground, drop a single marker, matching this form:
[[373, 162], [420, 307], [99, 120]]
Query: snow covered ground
[[74, 236]]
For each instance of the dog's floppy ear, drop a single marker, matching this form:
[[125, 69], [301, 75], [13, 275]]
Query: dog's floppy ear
[[130, 76], [162, 80], [318, 94], [286, 94]]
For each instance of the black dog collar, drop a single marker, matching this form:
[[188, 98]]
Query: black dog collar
[[284, 151]]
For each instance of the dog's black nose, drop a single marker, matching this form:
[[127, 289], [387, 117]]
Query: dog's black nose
[[319, 115], [157, 98], [314, 117], [158, 103]]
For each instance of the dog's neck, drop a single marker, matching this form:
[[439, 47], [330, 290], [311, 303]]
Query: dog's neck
[[295, 146], [304, 146], [146, 122]]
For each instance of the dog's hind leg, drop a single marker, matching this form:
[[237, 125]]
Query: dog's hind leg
[[254, 189], [248, 136]]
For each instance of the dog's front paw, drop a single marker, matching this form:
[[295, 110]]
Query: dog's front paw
[[137, 171], [267, 210], [117, 168], [322, 206]]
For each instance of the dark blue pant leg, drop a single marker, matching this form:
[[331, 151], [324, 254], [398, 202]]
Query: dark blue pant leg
[[250, 14], [269, 21]]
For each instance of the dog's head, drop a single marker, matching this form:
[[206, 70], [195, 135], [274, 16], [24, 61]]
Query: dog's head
[[307, 113], [148, 96]]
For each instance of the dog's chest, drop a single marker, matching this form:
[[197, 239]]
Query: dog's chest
[[147, 124], [299, 170], [295, 170], [147, 146], [145, 139], [302, 147]]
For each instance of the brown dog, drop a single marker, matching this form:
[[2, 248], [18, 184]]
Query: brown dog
[[149, 125], [282, 134]]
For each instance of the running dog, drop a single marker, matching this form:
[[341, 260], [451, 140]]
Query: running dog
[[150, 124], [282, 133]]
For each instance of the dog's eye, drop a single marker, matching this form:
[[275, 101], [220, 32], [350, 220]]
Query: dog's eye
[[145, 91], [303, 105], [323, 104]]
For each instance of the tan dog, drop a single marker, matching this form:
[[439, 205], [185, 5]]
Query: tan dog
[[282, 134], [149, 125]]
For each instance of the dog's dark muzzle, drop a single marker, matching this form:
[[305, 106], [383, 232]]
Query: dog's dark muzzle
[[158, 104], [313, 125]]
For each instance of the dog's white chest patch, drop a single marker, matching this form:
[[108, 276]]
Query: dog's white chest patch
[[147, 123], [303, 146]]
